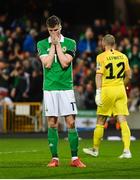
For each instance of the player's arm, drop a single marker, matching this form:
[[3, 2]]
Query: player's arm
[[128, 76], [99, 72], [98, 80], [48, 59], [65, 59], [128, 73]]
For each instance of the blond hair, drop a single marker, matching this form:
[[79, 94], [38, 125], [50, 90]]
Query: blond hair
[[109, 40]]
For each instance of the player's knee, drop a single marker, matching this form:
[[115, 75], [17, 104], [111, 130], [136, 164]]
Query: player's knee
[[101, 120], [121, 118], [71, 124], [52, 124]]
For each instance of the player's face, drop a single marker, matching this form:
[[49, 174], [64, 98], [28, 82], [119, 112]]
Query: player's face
[[55, 31]]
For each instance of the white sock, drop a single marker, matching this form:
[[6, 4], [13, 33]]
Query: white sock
[[56, 158], [74, 158], [127, 150]]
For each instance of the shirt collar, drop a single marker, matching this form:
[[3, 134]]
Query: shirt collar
[[61, 39]]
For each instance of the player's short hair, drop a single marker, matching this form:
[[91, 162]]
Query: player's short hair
[[52, 21], [109, 40]]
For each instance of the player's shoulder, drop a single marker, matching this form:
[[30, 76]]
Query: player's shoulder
[[43, 41], [101, 55], [70, 40], [120, 54]]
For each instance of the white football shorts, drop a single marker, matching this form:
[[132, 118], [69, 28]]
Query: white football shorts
[[59, 103]]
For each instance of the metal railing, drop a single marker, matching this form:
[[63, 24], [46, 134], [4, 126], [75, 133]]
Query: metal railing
[[22, 117]]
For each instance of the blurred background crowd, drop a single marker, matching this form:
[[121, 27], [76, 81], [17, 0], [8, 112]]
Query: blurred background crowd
[[20, 67]]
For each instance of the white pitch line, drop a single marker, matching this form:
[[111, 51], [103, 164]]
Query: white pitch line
[[11, 152]]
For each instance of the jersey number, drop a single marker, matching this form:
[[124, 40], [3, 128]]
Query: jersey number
[[120, 73]]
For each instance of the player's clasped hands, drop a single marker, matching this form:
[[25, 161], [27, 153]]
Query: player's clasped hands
[[55, 39]]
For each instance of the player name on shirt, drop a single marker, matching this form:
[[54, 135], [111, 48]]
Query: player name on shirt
[[114, 57]]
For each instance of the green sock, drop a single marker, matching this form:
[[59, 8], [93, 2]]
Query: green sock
[[53, 141], [73, 140]]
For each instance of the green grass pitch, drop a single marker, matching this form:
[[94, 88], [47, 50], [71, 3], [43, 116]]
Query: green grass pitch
[[28, 158]]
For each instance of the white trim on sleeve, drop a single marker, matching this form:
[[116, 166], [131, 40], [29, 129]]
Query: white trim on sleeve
[[43, 55]]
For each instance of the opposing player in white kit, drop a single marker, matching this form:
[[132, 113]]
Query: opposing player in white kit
[[56, 53]]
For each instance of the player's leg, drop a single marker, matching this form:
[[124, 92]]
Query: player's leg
[[120, 109], [73, 140], [72, 135], [68, 109], [53, 135], [53, 140], [97, 137], [51, 112], [99, 131], [103, 112], [125, 131]]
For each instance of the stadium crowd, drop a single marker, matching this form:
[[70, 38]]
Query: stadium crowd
[[21, 69]]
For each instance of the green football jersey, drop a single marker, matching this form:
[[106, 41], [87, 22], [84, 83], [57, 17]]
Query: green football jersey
[[57, 78]]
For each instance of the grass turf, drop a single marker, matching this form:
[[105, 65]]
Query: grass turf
[[28, 158]]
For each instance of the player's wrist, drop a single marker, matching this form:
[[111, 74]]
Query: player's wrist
[[52, 45], [98, 91], [51, 55]]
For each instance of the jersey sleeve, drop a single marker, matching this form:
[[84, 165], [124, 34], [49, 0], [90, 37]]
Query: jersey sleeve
[[99, 65], [127, 67], [71, 49], [41, 51]]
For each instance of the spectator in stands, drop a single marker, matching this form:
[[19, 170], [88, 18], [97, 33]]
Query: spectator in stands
[[80, 98], [29, 43], [2, 35], [97, 26], [88, 43], [90, 76], [1, 55], [89, 97], [135, 56], [99, 48], [115, 27], [19, 83], [35, 92], [135, 80], [136, 41], [4, 75], [106, 27], [4, 99], [127, 47], [19, 37], [123, 30], [79, 72], [133, 100]]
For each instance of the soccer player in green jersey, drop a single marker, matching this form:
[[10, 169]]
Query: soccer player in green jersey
[[56, 53]]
